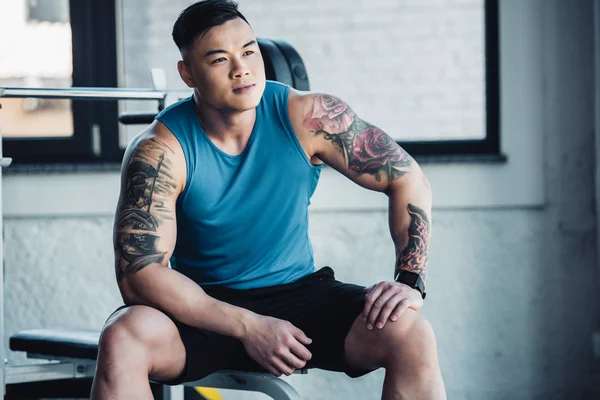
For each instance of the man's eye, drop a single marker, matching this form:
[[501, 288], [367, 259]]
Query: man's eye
[[218, 60], [247, 53]]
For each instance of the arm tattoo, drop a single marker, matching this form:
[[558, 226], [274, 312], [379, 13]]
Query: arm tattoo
[[414, 256], [148, 185], [366, 148]]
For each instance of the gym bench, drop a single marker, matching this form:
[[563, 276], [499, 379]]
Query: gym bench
[[71, 354]]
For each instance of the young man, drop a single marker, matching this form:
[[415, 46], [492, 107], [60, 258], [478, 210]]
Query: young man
[[219, 185]]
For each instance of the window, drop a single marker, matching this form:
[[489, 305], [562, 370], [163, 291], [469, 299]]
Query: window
[[44, 32], [74, 43], [61, 43], [464, 122]]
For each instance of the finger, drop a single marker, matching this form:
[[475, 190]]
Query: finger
[[300, 351], [400, 308], [378, 306], [301, 337], [370, 299], [281, 366], [269, 367], [387, 310], [291, 360], [368, 289]]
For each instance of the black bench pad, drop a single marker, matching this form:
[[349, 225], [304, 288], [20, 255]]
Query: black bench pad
[[68, 343]]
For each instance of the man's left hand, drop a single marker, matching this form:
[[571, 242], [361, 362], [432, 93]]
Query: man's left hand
[[387, 301]]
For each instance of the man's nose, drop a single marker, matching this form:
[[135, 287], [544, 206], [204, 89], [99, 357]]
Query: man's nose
[[240, 69]]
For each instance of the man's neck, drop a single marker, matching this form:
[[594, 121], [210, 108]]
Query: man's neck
[[225, 125]]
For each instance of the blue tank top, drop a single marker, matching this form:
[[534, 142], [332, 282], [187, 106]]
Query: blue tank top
[[242, 221]]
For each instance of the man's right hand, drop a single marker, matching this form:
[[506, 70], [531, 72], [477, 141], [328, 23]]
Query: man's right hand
[[277, 345]]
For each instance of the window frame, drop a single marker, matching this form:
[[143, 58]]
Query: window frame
[[489, 147], [94, 52]]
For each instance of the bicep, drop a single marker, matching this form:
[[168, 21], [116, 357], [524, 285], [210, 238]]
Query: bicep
[[359, 150], [145, 223]]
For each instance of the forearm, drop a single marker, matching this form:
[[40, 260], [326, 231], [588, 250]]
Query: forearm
[[410, 222], [184, 300]]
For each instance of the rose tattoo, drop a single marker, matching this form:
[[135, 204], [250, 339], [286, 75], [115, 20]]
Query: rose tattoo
[[329, 115], [373, 149], [366, 148]]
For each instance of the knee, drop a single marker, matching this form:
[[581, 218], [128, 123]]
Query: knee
[[119, 346], [412, 344], [115, 336], [123, 342]]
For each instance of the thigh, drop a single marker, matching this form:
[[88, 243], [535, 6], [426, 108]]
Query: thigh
[[180, 353], [208, 352], [325, 309], [322, 307]]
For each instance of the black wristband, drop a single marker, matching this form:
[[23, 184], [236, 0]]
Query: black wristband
[[413, 280]]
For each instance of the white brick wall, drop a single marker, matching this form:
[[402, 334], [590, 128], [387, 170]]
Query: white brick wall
[[412, 67]]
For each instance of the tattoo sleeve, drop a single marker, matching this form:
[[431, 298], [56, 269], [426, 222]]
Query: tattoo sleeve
[[366, 149], [148, 185], [414, 256]]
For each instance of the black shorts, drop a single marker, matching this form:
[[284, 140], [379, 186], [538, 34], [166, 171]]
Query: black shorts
[[322, 307]]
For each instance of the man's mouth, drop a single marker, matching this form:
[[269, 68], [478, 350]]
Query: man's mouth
[[244, 89]]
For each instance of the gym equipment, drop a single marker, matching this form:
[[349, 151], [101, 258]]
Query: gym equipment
[[70, 354], [73, 355]]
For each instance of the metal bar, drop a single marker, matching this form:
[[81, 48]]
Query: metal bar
[[69, 368], [90, 93], [173, 392], [46, 372], [70, 360], [2, 350], [128, 118]]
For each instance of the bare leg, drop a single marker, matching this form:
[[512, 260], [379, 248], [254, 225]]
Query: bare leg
[[136, 344], [407, 350]]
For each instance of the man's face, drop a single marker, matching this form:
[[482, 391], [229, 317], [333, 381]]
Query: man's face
[[226, 67]]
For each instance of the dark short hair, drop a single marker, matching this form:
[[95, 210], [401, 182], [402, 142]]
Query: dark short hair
[[199, 17]]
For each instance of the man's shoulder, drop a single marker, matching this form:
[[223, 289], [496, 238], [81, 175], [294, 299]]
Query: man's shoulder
[[298, 103], [155, 132], [157, 143]]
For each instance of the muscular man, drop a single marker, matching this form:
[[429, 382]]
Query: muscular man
[[219, 185]]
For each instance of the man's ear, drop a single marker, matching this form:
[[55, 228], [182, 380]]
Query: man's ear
[[184, 73]]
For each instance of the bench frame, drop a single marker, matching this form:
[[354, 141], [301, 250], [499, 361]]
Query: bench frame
[[70, 368]]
